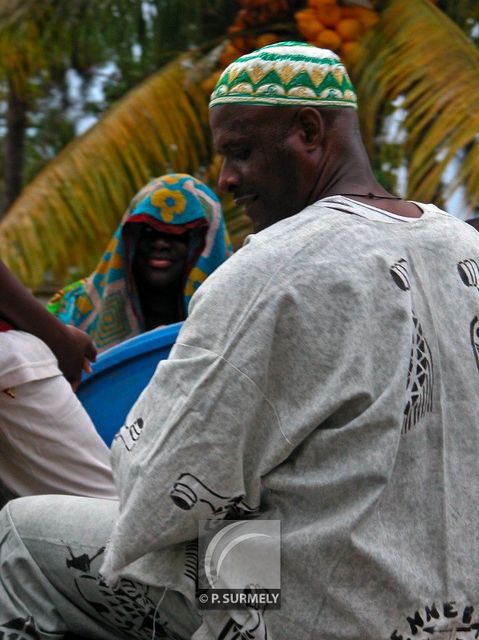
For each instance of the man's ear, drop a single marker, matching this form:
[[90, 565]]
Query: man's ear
[[311, 127]]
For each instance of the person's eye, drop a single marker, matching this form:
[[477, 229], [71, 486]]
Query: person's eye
[[238, 153], [242, 154]]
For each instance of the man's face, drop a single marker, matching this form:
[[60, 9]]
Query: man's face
[[160, 258], [263, 161]]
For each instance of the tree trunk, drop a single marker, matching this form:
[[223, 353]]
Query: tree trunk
[[16, 122]]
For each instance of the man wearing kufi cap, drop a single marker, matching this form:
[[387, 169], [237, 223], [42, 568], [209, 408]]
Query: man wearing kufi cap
[[324, 382]]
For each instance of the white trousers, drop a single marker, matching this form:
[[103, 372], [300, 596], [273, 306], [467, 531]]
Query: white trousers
[[51, 548], [48, 443]]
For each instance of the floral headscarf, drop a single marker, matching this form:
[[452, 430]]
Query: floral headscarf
[[106, 304]]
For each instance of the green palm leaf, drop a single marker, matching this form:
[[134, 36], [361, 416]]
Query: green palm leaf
[[66, 216], [38, 37], [418, 53]]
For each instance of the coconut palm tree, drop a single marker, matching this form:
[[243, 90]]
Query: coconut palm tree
[[73, 205], [420, 57], [416, 54], [41, 40]]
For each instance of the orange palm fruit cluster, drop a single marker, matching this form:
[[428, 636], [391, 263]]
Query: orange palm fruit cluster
[[327, 24], [253, 15]]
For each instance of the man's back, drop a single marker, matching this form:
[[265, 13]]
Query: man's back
[[346, 342], [378, 498], [375, 362]]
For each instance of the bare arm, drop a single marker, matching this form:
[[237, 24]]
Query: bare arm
[[18, 306]]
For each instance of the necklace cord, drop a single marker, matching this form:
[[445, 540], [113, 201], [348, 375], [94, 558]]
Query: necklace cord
[[370, 195]]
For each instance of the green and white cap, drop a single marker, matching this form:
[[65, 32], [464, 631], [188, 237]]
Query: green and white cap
[[286, 73]]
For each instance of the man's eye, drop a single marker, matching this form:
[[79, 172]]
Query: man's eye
[[241, 154]]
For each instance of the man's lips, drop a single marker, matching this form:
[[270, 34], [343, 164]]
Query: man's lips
[[245, 201], [160, 263]]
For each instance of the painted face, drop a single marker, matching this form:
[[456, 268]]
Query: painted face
[[160, 258], [263, 159]]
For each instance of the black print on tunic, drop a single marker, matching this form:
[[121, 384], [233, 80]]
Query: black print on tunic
[[419, 387], [253, 629], [400, 275], [439, 622], [469, 272], [475, 338], [419, 380], [191, 564], [129, 433], [188, 491], [19, 629], [127, 608]]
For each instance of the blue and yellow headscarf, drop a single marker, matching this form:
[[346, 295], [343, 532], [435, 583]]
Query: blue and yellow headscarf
[[105, 304]]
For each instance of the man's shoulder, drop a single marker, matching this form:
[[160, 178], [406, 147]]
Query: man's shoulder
[[318, 221], [332, 238]]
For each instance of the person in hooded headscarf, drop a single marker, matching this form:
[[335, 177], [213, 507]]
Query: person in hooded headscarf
[[171, 238]]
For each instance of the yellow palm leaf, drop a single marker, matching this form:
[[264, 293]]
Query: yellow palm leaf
[[418, 53]]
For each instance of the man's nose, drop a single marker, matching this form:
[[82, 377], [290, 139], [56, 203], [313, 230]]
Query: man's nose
[[228, 179], [161, 240]]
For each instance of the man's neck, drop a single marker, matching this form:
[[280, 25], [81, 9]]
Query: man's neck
[[392, 204], [365, 189]]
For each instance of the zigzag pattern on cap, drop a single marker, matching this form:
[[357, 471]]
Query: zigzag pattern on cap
[[286, 73]]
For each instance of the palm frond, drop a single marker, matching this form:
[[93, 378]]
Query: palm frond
[[66, 216], [416, 52], [37, 35]]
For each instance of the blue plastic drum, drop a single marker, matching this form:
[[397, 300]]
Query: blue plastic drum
[[119, 376]]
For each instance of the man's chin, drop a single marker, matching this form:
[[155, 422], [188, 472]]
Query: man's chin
[[258, 219], [262, 222]]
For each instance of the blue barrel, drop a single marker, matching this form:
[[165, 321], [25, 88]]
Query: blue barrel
[[119, 376]]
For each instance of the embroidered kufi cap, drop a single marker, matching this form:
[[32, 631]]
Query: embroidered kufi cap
[[286, 73]]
